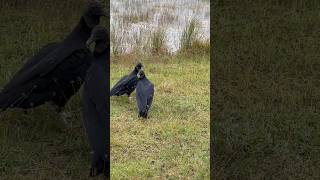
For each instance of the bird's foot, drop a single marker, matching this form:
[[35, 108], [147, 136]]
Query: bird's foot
[[101, 167], [54, 107], [94, 171], [66, 118]]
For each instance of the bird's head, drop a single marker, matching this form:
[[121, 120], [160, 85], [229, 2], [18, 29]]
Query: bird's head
[[141, 74], [138, 67], [93, 11], [99, 36]]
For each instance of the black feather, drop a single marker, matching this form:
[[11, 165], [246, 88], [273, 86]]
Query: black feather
[[144, 95], [96, 115], [54, 74], [127, 84]]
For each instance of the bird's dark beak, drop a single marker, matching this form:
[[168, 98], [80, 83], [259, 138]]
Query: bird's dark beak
[[138, 74], [89, 42]]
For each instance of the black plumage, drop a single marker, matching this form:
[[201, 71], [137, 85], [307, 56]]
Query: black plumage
[[127, 84], [95, 101], [57, 71], [35, 59], [144, 94]]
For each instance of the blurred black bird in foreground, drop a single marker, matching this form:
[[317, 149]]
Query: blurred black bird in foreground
[[127, 84], [57, 71], [94, 102], [144, 94]]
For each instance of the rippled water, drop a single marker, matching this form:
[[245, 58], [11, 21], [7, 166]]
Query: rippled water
[[133, 21]]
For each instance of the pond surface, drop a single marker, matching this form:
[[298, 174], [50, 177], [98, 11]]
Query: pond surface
[[133, 22]]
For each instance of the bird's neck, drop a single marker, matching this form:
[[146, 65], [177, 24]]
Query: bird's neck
[[142, 78], [80, 33], [98, 54], [102, 58], [135, 71]]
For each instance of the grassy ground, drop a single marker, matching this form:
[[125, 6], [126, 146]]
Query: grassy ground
[[266, 89], [37, 145], [174, 141]]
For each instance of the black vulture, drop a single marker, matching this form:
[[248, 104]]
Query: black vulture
[[127, 84], [144, 94], [94, 102], [57, 71]]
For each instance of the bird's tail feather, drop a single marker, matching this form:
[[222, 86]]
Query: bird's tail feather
[[112, 92], [3, 102]]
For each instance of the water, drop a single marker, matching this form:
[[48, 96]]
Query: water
[[133, 21]]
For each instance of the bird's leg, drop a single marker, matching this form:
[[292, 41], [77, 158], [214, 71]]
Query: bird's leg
[[100, 166], [54, 107], [64, 116], [129, 97]]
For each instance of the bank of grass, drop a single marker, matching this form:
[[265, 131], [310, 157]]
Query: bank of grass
[[266, 89], [174, 141], [37, 145]]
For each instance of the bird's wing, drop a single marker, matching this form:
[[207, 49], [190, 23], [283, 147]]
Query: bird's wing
[[96, 84], [6, 99], [35, 59], [40, 66], [133, 80], [31, 62], [123, 79], [119, 85], [96, 114], [22, 94], [150, 94], [141, 96]]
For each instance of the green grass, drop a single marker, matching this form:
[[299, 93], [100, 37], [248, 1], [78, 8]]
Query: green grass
[[189, 35], [37, 145], [266, 90], [158, 38], [174, 141]]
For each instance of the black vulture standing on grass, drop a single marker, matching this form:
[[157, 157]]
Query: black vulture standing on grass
[[127, 84], [95, 99], [57, 71], [144, 94]]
